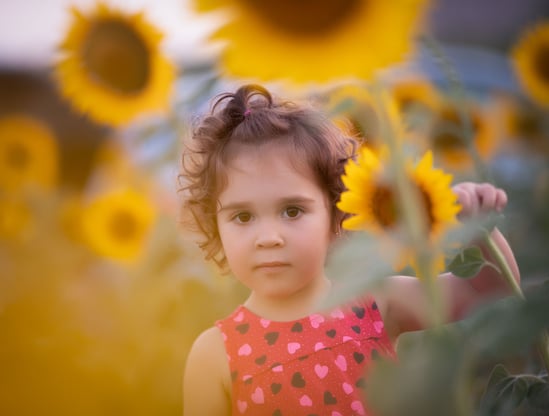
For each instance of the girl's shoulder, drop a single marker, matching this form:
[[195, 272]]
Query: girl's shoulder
[[209, 337], [207, 378], [208, 347]]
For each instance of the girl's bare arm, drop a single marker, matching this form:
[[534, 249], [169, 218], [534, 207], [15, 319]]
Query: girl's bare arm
[[206, 380], [403, 301]]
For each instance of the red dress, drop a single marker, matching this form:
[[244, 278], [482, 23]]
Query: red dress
[[311, 366]]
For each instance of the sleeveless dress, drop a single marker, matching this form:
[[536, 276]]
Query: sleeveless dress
[[315, 365]]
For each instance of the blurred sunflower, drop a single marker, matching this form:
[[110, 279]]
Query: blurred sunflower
[[524, 124], [449, 143], [371, 197], [314, 40], [530, 57], [355, 111], [417, 100], [117, 224], [112, 67], [28, 153]]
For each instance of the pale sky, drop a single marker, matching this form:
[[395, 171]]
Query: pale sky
[[30, 30]]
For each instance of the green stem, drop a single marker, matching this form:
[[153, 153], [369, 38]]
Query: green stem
[[437, 314], [543, 341], [460, 99], [543, 348], [413, 217]]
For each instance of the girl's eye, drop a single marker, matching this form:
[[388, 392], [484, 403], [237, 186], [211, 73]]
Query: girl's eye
[[243, 217], [292, 212]]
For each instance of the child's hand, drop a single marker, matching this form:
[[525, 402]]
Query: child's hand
[[479, 198]]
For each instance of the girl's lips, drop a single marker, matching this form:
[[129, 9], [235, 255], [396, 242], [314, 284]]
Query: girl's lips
[[271, 264]]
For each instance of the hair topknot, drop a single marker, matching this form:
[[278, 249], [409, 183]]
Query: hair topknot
[[242, 101], [252, 116]]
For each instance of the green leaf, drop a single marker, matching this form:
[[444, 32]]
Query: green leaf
[[356, 266], [467, 263], [504, 396], [499, 372], [430, 377], [505, 392], [506, 326], [492, 220], [538, 396]]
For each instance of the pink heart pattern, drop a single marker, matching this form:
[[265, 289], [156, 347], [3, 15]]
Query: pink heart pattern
[[242, 406], [257, 396], [316, 364], [293, 347], [305, 401], [321, 370]]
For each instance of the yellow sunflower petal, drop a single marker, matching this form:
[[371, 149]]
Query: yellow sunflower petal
[[439, 197], [112, 68], [351, 202], [355, 223], [435, 267], [295, 37]]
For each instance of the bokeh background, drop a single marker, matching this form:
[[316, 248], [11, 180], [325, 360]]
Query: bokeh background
[[101, 290]]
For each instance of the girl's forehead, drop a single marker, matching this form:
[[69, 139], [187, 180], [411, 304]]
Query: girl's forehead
[[269, 158], [268, 155]]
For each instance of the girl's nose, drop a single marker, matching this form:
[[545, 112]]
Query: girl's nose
[[269, 237]]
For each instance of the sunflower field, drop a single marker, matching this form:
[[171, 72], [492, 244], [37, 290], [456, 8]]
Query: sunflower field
[[102, 291]]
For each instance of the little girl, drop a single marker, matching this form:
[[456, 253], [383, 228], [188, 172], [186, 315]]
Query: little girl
[[262, 179]]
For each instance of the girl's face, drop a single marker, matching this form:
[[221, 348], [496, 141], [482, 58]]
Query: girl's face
[[274, 223]]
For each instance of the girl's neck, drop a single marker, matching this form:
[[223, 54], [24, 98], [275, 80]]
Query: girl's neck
[[292, 307]]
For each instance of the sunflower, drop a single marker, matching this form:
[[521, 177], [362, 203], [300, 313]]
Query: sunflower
[[355, 111], [361, 113], [449, 143], [530, 57], [524, 124], [371, 197], [313, 40], [28, 153], [117, 224], [417, 100], [112, 67]]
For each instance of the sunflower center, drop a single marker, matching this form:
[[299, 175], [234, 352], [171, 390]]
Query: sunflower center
[[17, 157], [123, 226], [117, 56], [305, 17], [386, 211], [446, 141], [528, 125], [384, 206], [541, 62], [413, 105], [449, 133]]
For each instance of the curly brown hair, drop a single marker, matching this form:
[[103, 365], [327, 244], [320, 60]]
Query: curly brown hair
[[252, 116]]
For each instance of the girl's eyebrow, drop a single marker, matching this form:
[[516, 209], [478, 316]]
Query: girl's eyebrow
[[292, 199], [297, 199]]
